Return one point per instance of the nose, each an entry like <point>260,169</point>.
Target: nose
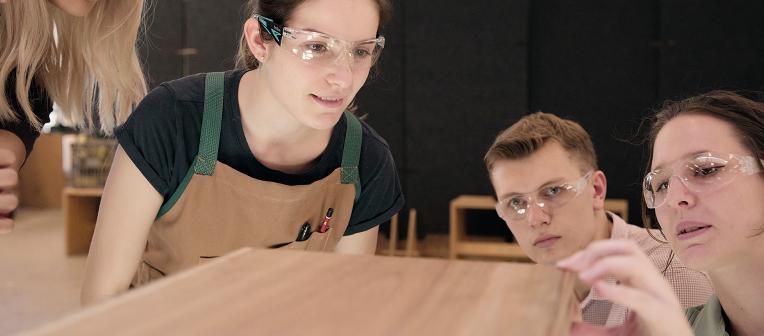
<point>537,214</point>
<point>341,71</point>
<point>678,195</point>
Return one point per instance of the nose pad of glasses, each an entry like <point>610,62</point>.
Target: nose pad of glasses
<point>344,58</point>
<point>681,179</point>
<point>673,187</point>
<point>535,214</point>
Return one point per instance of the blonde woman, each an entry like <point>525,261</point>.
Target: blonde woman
<point>91,65</point>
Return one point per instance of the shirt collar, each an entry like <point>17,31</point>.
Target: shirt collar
<point>710,319</point>
<point>620,229</point>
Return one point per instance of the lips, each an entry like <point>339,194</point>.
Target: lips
<point>690,229</point>
<point>545,240</point>
<point>328,101</point>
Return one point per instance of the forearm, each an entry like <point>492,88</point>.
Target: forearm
<point>128,207</point>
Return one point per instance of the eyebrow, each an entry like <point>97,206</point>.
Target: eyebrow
<point>686,156</point>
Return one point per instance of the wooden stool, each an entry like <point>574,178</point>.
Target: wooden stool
<point>411,249</point>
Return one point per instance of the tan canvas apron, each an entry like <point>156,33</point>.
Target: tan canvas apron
<point>217,209</point>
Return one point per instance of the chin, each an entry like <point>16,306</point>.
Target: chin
<point>697,257</point>
<point>546,258</point>
<point>325,121</point>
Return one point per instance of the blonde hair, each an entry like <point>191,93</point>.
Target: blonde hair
<point>92,67</point>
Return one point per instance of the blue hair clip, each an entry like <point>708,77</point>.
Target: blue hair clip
<point>271,27</point>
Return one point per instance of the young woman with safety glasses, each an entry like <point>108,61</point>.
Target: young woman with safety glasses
<point>706,186</point>
<point>265,155</point>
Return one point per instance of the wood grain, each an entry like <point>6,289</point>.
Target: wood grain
<point>277,292</point>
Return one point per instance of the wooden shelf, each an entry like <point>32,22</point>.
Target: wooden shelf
<point>80,214</point>
<point>461,245</point>
<point>83,192</point>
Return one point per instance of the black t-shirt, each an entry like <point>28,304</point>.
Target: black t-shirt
<point>162,138</point>
<point>41,105</point>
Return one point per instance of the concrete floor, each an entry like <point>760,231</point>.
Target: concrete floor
<point>38,282</point>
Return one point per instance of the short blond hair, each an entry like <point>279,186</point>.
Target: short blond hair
<point>533,131</point>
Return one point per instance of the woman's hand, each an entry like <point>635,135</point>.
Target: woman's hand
<point>12,156</point>
<point>654,308</point>
<point>9,179</point>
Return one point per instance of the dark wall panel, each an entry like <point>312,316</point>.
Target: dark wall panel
<point>466,78</point>
<point>214,29</point>
<point>163,38</point>
<point>711,44</point>
<point>595,62</point>
<point>381,100</point>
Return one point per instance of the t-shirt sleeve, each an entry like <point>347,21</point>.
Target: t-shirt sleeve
<point>381,195</point>
<point>148,137</point>
<point>41,105</point>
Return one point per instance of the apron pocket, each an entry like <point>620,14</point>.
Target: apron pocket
<point>206,259</point>
<point>316,242</point>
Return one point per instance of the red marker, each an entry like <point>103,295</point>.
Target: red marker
<point>325,224</point>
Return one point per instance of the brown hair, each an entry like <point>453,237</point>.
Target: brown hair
<point>744,115</point>
<point>531,132</point>
<point>279,11</point>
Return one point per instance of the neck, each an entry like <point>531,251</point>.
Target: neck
<point>603,230</point>
<point>740,289</point>
<point>604,226</point>
<point>275,137</point>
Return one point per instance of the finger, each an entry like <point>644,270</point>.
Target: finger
<point>8,203</point>
<point>7,158</point>
<point>9,178</point>
<point>634,271</point>
<point>6,225</point>
<point>599,249</point>
<point>630,269</point>
<point>648,307</point>
<point>649,315</point>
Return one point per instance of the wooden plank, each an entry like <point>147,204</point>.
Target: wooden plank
<point>474,202</point>
<point>278,292</point>
<point>490,249</point>
<point>85,192</point>
<point>80,215</point>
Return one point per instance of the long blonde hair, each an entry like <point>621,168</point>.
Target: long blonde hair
<point>92,67</point>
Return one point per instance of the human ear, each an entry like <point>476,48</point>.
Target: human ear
<point>257,46</point>
<point>600,189</point>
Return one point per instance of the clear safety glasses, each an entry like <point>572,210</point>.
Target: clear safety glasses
<point>548,197</point>
<point>324,50</point>
<point>703,172</point>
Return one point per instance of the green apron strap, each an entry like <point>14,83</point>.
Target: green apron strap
<point>351,153</point>
<point>209,140</point>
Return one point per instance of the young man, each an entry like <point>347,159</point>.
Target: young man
<point>551,195</point>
